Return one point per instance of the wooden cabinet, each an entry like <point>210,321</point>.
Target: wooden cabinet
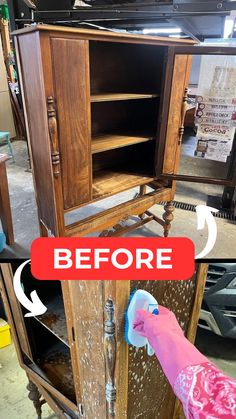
<point>105,114</point>
<point>76,354</point>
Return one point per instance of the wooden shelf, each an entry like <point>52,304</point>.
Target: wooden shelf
<point>108,97</point>
<point>54,319</point>
<point>56,365</point>
<point>109,142</point>
<point>107,182</point>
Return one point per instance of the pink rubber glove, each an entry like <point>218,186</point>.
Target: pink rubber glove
<point>166,337</point>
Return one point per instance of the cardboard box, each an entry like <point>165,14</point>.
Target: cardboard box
<point>5,336</point>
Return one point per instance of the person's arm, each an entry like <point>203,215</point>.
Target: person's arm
<point>204,391</point>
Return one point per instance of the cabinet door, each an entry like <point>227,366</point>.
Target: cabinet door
<point>170,163</point>
<point>135,383</point>
<point>149,393</point>
<point>86,306</point>
<point>44,343</point>
<point>71,83</point>
<point>13,310</point>
<point>33,81</point>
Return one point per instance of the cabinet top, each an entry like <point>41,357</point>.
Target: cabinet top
<point>95,34</point>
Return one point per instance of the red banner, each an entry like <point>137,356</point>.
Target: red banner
<point>112,258</point>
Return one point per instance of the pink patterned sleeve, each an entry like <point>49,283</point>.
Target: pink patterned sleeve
<point>205,392</point>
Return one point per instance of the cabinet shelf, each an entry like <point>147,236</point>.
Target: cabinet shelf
<point>56,365</point>
<point>110,142</point>
<point>109,97</point>
<point>109,182</point>
<point>54,319</point>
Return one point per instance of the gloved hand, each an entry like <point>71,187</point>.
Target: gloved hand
<point>166,337</point>
<point>148,324</point>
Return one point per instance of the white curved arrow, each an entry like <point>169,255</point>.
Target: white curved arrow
<point>35,307</point>
<point>204,215</point>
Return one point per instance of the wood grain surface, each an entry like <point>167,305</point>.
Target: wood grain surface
<point>5,206</point>
<point>110,142</point>
<point>56,364</point>
<point>125,68</point>
<point>71,339</point>
<point>106,182</point>
<point>35,110</point>
<point>110,97</point>
<point>105,35</point>
<point>112,216</point>
<point>71,78</point>
<point>146,378</point>
<point>119,292</point>
<point>54,319</point>
<point>86,298</point>
<point>15,309</point>
<point>50,93</point>
<point>179,81</point>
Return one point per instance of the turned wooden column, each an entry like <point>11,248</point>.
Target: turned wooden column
<point>168,217</point>
<point>110,357</point>
<point>34,396</point>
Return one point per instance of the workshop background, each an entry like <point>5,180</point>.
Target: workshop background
<point>209,22</point>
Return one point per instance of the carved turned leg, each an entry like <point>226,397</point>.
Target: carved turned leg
<point>34,396</point>
<point>168,217</point>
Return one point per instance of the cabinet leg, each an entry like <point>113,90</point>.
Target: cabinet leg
<point>142,191</point>
<point>34,396</point>
<point>168,217</point>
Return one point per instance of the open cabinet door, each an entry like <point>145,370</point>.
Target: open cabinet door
<point>169,165</point>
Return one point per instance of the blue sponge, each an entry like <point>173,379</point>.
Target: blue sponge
<point>139,299</point>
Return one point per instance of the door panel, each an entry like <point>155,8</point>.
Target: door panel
<point>86,300</point>
<point>14,309</point>
<point>180,80</point>
<point>71,78</point>
<point>181,160</point>
<point>145,376</point>
<point>30,67</point>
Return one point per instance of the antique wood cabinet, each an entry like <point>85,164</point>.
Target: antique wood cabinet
<point>75,354</point>
<point>105,114</point>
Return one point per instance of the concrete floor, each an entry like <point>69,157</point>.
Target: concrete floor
<point>25,214</point>
<point>221,351</point>
<point>14,403</point>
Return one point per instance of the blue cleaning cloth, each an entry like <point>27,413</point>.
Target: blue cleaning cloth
<point>2,242</point>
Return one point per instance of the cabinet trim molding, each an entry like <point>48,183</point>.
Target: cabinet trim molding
<point>110,355</point>
<point>183,113</point>
<point>53,133</point>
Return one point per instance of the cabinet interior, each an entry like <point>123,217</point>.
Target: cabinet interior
<point>47,334</point>
<point>125,89</point>
<point>52,356</point>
